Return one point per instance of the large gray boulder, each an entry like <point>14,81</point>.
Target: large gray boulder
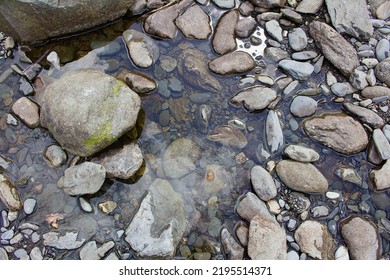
<point>37,20</point>
<point>88,110</point>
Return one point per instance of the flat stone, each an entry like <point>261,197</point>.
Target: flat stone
<point>303,177</point>
<point>232,249</point>
<point>365,115</point>
<point>351,17</point>
<point>29,205</point>
<point>304,55</point>
<point>361,237</point>
<point>297,39</point>
<point>292,15</point>
<point>194,23</point>
<point>375,91</point>
<point>342,89</point>
<point>334,47</point>
<point>228,135</point>
<point>223,40</point>
<point>86,178</point>
<point>314,239</point>
<point>224,4</point>
<point>382,71</point>
<point>254,98</point>
<point>90,251</point>
<point>140,83</point>
<point>274,132</point>
<point>66,240</point>
<point>268,4</point>
<point>301,153</point>
<point>381,143</point>
<point>309,6</point>
<point>275,54</point>
<point>381,177</point>
<point>245,27</point>
<point>27,111</point>
<point>250,205</point>
<point>263,183</point>
<point>274,30</point>
<point>107,207</point>
<point>382,49</point>
<point>232,63</point>
<point>55,155</point>
<point>337,131</point>
<point>9,195</point>
<point>303,106</point>
<point>298,70</point>
<point>267,240</point>
<point>121,162</point>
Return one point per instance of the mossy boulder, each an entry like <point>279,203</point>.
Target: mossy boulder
<point>87,110</point>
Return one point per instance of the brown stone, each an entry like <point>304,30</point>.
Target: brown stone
<point>27,111</point>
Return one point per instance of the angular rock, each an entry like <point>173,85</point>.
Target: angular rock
<point>268,4</point>
<point>194,23</point>
<point>263,183</point>
<point>159,223</point>
<point>224,41</point>
<point>382,71</point>
<point>303,106</point>
<point>302,177</point>
<point>275,54</point>
<point>87,110</point>
<point>381,143</point>
<point>254,98</point>
<point>140,83</point>
<point>250,206</point>
<point>349,175</point>
<point>228,135</point>
<point>181,158</point>
<point>90,251</point>
<point>274,30</point>
<point>365,115</point>
<point>9,195</point>
<point>334,47</point>
<point>337,131</point>
<point>361,237</point>
<point>55,155</point>
<point>351,17</point>
<point>27,111</point>
<point>309,6</point>
<point>68,241</point>
<point>121,162</point>
<point>375,91</point>
<point>314,239</point>
<point>232,63</point>
<point>358,79</point>
<point>232,249</point>
<point>297,39</point>
<point>301,153</point>
<point>274,132</point>
<point>381,177</point>
<point>85,178</point>
<point>298,70</point>
<point>382,49</point>
<point>267,240</point>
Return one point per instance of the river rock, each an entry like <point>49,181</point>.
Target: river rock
<point>224,41</point>
<point>88,110</point>
<point>267,240</point>
<point>382,71</point>
<point>143,51</point>
<point>27,111</point>
<point>361,237</point>
<point>162,22</point>
<point>358,79</point>
<point>302,177</point>
<point>342,89</point>
<point>382,49</point>
<point>140,83</point>
<point>29,205</point>
<point>268,4</point>
<point>375,91</point>
<point>55,155</point>
<point>298,70</point>
<point>334,47</point>
<point>314,239</point>
<point>297,39</point>
<point>254,98</point>
<point>159,223</point>
<point>275,54</point>
<point>351,17</point>
<point>194,23</point>
<point>380,8</point>
<point>85,178</point>
<point>309,6</point>
<point>381,143</point>
<point>365,115</point>
<point>232,63</point>
<point>122,162</point>
<point>274,132</point>
<point>90,251</point>
<point>228,135</point>
<point>263,183</point>
<point>250,205</point>
<point>349,175</point>
<point>337,131</point>
<point>381,177</point>
<point>9,195</point>
<point>192,66</point>
<point>245,27</point>
<point>232,249</point>
<point>3,254</point>
<point>301,153</point>
<point>274,30</point>
<point>181,158</point>
<point>62,240</point>
<point>303,106</point>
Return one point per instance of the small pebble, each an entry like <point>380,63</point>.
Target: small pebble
<point>35,237</point>
<point>29,205</point>
<point>7,235</point>
<point>85,205</point>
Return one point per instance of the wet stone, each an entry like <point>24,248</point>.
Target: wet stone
<point>246,8</point>
<point>263,183</point>
<point>298,70</point>
<point>292,15</point>
<point>320,211</point>
<point>232,63</point>
<point>7,235</point>
<point>25,87</point>
<point>254,98</point>
<point>365,115</point>
<point>274,133</point>
<point>194,23</point>
<point>36,254</point>
<point>341,253</point>
<point>232,249</point>
<point>245,27</point>
<point>274,30</point>
<point>303,106</point>
<point>297,202</point>
<point>275,54</point>
<point>342,89</point>
<point>65,240</point>
<point>140,83</point>
<point>358,79</point>
<point>91,251</point>
<point>55,155</point>
<point>301,153</point>
<point>107,207</point>
<point>3,254</point>
<point>9,195</point>
<point>250,205</point>
<point>224,41</point>
<point>29,205</point>
<point>349,175</point>
<point>381,143</point>
<point>304,55</point>
<point>375,91</point>
<point>381,177</point>
<point>27,111</point>
<point>21,254</point>
<point>11,120</point>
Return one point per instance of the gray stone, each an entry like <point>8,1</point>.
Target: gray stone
<point>382,71</point>
<point>349,175</point>
<point>3,254</point>
<point>275,54</point>
<point>371,79</point>
<point>292,15</point>
<point>274,132</point>
<point>63,240</point>
<point>314,239</point>
<point>303,106</point>
<point>341,253</point>
<point>274,30</point>
<point>342,89</point>
<point>29,205</point>
<point>370,62</point>
<point>297,39</point>
<point>303,177</point>
<point>224,4</point>
<point>386,131</point>
<point>375,91</point>
<point>382,49</point>
<point>159,224</point>
<point>320,211</point>
<point>246,8</point>
<point>7,235</point>
<point>27,111</point>
<point>358,79</point>
<point>383,11</point>
<point>268,3</point>
<point>21,254</point>
<point>232,63</point>
<point>223,40</point>
<point>334,47</point>
<point>122,162</point>
<point>36,254</point>
<point>365,115</point>
<point>55,155</point>
<point>85,205</point>
<point>381,143</point>
<point>245,27</point>
<point>267,16</point>
<point>298,70</point>
<point>267,240</point>
<point>309,6</point>
<point>232,249</point>
<point>87,110</point>
<point>361,237</point>
<point>337,131</point>
<point>381,177</point>
<point>250,205</point>
<point>90,251</point>
<point>254,98</point>
<point>86,178</point>
<point>304,55</point>
<point>194,23</point>
<point>301,153</point>
<point>263,183</point>
<point>351,17</point>
<point>9,195</point>
<point>140,83</point>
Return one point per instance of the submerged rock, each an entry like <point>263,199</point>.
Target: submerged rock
<point>232,249</point>
<point>303,106</point>
<point>268,4</point>
<point>9,195</point>
<point>381,177</point>
<point>59,240</point>
<point>228,135</point>
<point>254,98</point>
<point>90,251</point>
<point>55,155</point>
<point>140,83</point>
<point>88,110</point>
<point>232,63</point>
